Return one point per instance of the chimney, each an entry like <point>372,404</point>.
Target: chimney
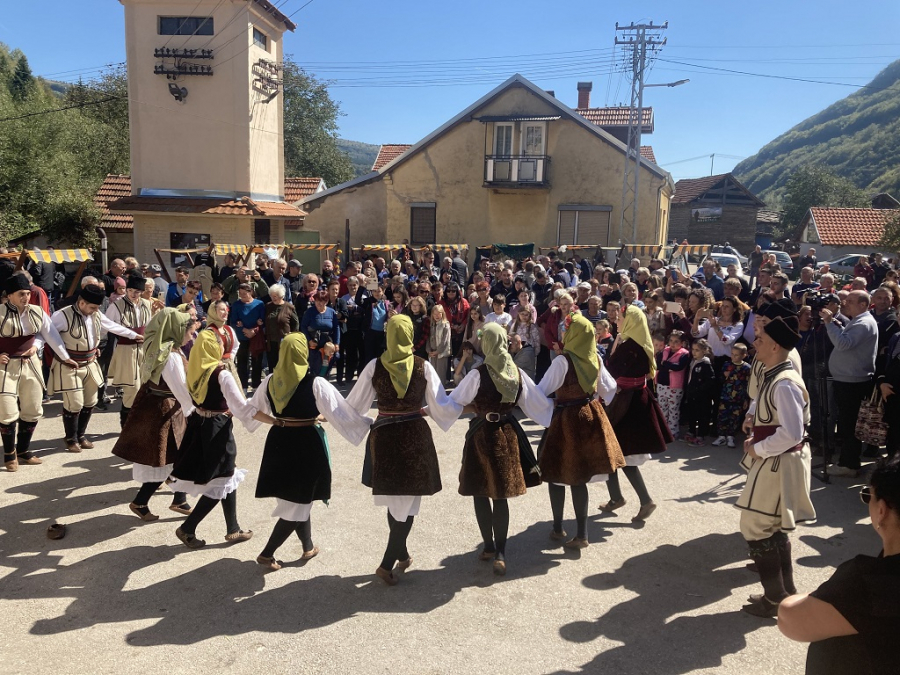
<point>584,94</point>
<point>551,93</point>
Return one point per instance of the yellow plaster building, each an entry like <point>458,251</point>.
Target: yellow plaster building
<point>515,166</point>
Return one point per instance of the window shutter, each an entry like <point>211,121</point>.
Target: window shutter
<point>424,225</point>
<point>593,228</point>
<point>566,228</point>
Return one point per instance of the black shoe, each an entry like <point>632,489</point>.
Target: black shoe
<point>102,404</point>
<point>763,609</point>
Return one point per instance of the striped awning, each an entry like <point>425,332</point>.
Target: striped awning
<point>692,249</point>
<point>223,249</point>
<point>651,250</point>
<point>400,247</point>
<point>60,255</point>
<point>311,247</point>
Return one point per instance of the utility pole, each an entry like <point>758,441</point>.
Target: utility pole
<point>639,40</point>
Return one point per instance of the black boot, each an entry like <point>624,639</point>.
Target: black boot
<point>8,434</point>
<point>70,427</point>
<point>123,416</point>
<point>26,431</point>
<point>784,552</point>
<point>767,557</point>
<point>84,417</point>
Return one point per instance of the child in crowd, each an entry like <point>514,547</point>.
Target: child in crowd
<point>734,399</point>
<point>613,308</point>
<point>699,391</point>
<point>673,365</point>
<point>499,314</point>
<point>320,359</point>
<point>439,342</point>
<point>604,339</point>
<point>524,340</point>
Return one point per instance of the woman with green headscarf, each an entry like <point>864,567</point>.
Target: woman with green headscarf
<point>401,464</point>
<point>154,429</point>
<point>635,414</point>
<point>206,466</point>
<point>498,463</point>
<point>296,464</point>
<point>579,446</point>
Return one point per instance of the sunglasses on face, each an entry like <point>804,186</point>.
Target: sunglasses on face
<point>865,494</point>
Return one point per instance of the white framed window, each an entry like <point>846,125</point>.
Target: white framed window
<point>533,138</point>
<point>503,139</point>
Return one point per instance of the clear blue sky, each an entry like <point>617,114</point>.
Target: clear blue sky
<point>470,47</point>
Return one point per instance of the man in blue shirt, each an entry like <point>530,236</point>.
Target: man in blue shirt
<point>713,281</point>
<point>176,288</point>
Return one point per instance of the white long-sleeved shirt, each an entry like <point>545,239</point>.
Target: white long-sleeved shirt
<point>238,405</point>
<point>59,322</point>
<point>332,406</point>
<point>440,408</point>
<point>48,333</point>
<point>789,403</point>
<point>176,379</point>
<point>556,374</point>
<point>721,346</point>
<point>113,313</point>
<point>532,400</point>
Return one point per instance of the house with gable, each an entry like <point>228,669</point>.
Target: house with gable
<point>515,166</point>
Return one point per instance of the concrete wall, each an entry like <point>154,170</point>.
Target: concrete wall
<point>584,169</point>
<point>153,231</point>
<point>205,143</point>
<point>737,226</point>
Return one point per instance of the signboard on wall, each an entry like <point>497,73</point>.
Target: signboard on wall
<point>707,214</point>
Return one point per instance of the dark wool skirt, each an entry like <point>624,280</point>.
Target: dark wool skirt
<point>492,462</point>
<point>401,459</point>
<point>153,431</point>
<point>639,422</point>
<point>208,450</point>
<point>295,466</point>
<point>578,445</point>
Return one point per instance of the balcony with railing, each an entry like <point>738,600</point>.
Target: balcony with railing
<point>516,171</point>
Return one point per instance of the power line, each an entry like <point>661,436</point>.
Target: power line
<point>309,2</point>
<point>83,104</point>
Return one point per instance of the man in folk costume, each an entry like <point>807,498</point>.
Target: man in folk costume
<point>24,328</point>
<point>776,496</point>
<point>79,325</point>
<point>134,312</point>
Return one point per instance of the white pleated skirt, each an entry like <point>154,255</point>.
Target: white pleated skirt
<point>637,460</point>
<point>291,511</point>
<point>150,474</point>
<point>400,506</point>
<point>217,488</point>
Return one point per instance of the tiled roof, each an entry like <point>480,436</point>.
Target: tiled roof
<point>296,189</point>
<point>615,117</point>
<point>389,152</point>
<point>647,153</point>
<point>114,186</point>
<point>689,189</point>
<point>850,227</point>
<point>209,207</point>
<point>768,216</point>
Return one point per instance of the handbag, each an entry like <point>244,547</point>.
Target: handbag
<point>870,425</point>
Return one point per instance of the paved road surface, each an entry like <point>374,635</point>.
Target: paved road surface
<point>121,596</point>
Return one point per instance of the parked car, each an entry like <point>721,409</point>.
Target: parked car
<point>726,259</point>
<point>844,264</point>
<point>744,262</point>
<point>783,259</point>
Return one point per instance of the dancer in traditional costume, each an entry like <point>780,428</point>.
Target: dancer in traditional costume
<point>155,426</point>
<point>776,496</point>
<point>296,463</point>
<point>206,464</point>
<point>498,463</point>
<point>401,464</point>
<point>134,312</point>
<point>217,318</point>
<point>24,329</point>
<point>579,446</point>
<point>79,325</point>
<point>635,414</point>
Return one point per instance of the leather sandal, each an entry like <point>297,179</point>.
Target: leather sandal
<point>269,563</point>
<point>612,506</point>
<point>189,540</point>
<point>238,536</point>
<point>310,554</point>
<point>56,531</point>
<point>143,512</point>
<point>486,555</point>
<point>386,576</point>
<point>500,568</point>
<point>85,443</point>
<point>11,464</point>
<point>644,513</point>
<point>72,446</point>
<point>558,536</point>
<point>30,461</point>
<point>184,508</point>
<point>576,543</point>
<point>403,565</point>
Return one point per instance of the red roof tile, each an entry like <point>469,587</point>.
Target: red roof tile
<point>616,117</point>
<point>647,153</point>
<point>689,189</point>
<point>850,227</point>
<point>389,152</point>
<point>244,206</point>
<point>114,186</point>
<point>296,189</point>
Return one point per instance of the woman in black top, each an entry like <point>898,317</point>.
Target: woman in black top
<point>853,619</point>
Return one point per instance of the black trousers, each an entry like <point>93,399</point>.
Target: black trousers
<point>351,361</point>
<point>849,396</point>
<point>374,345</point>
<point>245,362</point>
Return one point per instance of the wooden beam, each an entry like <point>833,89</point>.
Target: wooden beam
<point>165,271</point>
<point>76,282</point>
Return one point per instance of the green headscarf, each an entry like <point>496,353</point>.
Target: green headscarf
<point>212,317</point>
<point>398,358</point>
<point>500,365</point>
<point>634,327</point>
<point>206,356</point>
<point>581,345</point>
<point>293,365</point>
<point>164,334</point>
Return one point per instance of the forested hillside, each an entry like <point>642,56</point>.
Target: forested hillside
<point>361,154</point>
<point>858,138</point>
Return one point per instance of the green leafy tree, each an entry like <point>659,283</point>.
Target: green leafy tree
<point>817,185</point>
<point>22,83</point>
<point>310,128</point>
<point>890,240</point>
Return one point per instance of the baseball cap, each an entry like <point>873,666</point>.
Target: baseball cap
<point>294,263</point>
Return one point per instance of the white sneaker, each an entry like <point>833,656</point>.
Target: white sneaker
<point>720,441</point>
<point>730,441</point>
